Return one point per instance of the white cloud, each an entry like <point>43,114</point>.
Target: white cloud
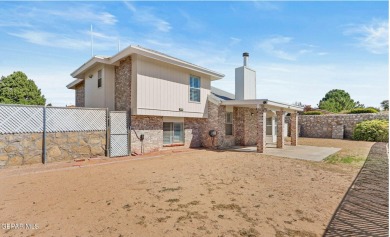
<point>234,41</point>
<point>145,16</point>
<point>65,41</point>
<point>372,36</point>
<point>273,47</point>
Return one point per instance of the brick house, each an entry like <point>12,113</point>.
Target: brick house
<point>172,102</point>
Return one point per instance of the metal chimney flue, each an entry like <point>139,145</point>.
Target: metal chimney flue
<point>246,58</point>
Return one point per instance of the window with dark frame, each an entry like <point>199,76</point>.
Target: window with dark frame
<point>229,123</point>
<point>99,78</point>
<point>194,89</point>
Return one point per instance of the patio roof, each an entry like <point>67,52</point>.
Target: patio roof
<point>268,104</point>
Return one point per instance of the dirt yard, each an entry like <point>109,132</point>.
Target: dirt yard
<point>181,193</point>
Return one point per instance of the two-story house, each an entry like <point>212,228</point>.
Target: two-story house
<point>172,103</point>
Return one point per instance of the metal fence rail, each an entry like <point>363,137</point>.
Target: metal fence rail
<point>30,119</point>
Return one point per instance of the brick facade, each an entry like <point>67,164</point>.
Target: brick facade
<point>80,94</point>
<point>216,121</point>
<point>244,125</point>
<point>280,123</point>
<point>123,85</point>
<point>193,130</point>
<point>152,128</point>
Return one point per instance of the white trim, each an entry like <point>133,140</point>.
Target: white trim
<point>74,83</point>
<point>78,73</point>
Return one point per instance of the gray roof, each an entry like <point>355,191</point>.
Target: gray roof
<point>221,94</point>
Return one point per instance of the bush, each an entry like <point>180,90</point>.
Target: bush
<point>363,111</point>
<point>372,130</point>
<point>312,113</point>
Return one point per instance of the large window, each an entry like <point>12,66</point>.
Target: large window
<point>229,123</point>
<point>99,78</point>
<point>194,89</point>
<point>173,133</point>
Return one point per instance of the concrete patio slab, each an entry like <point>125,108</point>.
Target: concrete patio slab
<point>313,153</point>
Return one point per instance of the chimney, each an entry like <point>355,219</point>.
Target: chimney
<point>246,57</point>
<point>245,81</point>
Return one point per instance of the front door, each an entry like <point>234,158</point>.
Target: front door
<point>173,133</point>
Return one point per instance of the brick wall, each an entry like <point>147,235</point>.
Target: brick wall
<point>216,121</point>
<point>152,128</point>
<point>80,94</point>
<point>245,126</point>
<point>328,126</point>
<point>21,149</point>
<point>123,85</point>
<point>193,129</point>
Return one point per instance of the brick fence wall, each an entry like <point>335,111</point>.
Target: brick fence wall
<point>333,126</point>
<point>21,149</point>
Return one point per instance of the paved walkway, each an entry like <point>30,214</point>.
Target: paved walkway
<point>313,153</point>
<point>364,211</point>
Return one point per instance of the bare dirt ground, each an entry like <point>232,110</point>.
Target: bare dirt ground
<point>181,193</point>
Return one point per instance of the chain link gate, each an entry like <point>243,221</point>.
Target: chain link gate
<point>118,134</point>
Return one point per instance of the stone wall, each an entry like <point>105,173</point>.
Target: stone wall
<point>333,126</point>
<point>123,85</point>
<point>21,149</point>
<point>152,128</point>
<point>80,94</point>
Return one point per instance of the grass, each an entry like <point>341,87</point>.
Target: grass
<point>344,159</point>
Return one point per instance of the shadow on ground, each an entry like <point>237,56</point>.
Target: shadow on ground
<point>364,211</point>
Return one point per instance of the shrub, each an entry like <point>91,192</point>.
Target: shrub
<point>312,113</point>
<point>363,111</point>
<point>372,130</point>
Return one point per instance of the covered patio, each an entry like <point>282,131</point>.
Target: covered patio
<point>270,121</point>
<point>312,153</point>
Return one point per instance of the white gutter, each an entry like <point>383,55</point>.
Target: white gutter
<point>264,102</point>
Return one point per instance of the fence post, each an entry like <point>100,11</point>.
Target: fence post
<point>107,133</point>
<point>44,136</point>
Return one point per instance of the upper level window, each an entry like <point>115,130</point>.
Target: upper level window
<point>99,78</point>
<point>194,89</point>
<point>229,123</point>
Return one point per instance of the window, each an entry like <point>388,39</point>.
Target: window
<point>269,127</point>
<point>194,89</point>
<point>173,133</point>
<point>229,123</point>
<point>99,78</point>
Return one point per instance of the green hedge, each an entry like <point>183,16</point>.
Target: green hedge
<point>312,113</point>
<point>363,111</point>
<point>372,130</point>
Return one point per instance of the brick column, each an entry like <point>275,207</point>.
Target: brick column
<point>280,124</point>
<point>261,125</point>
<point>294,128</point>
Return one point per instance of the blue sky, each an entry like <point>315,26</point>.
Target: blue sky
<point>300,50</point>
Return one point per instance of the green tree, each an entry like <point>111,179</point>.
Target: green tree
<point>338,100</point>
<point>18,89</point>
<point>385,105</point>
